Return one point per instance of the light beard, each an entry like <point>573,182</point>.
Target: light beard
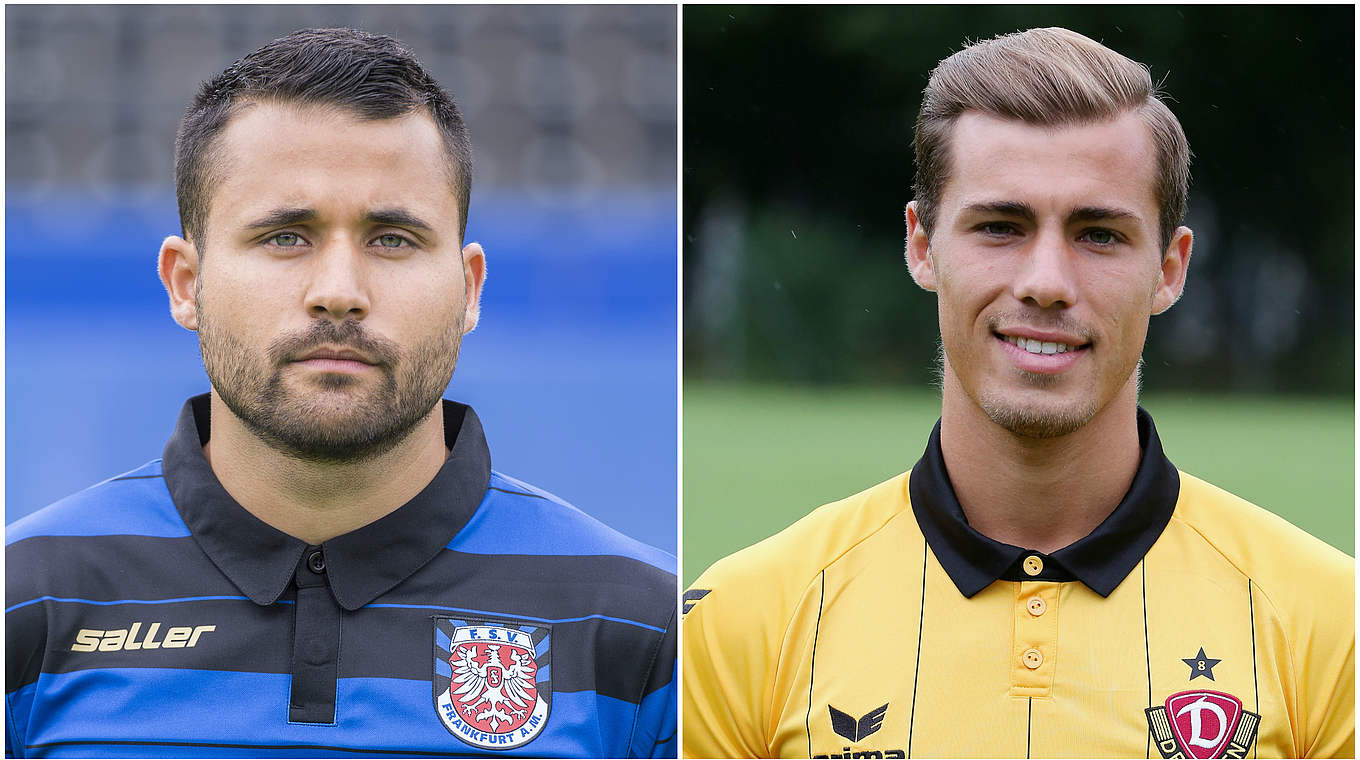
<point>1033,423</point>
<point>1028,422</point>
<point>322,424</point>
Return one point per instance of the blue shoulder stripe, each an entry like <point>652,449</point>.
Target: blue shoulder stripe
<point>136,503</point>
<point>517,518</point>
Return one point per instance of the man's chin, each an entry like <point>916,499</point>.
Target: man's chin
<point>336,427</point>
<point>332,442</point>
<point>1038,420</point>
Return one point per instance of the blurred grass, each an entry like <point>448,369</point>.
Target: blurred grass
<point>756,458</point>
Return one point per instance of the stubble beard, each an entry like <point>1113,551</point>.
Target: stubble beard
<point>318,422</point>
<point>1029,422</point>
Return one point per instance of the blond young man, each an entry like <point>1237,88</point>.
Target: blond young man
<point>1044,581</point>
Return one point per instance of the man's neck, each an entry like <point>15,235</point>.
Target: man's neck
<point>317,502</point>
<point>1039,494</point>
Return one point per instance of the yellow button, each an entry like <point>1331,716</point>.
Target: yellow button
<point>1033,565</point>
<point>1036,606</point>
<point>1032,658</point>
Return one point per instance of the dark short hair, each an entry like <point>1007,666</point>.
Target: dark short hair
<point>1047,77</point>
<point>369,75</point>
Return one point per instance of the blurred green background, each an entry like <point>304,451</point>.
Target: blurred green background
<point>809,355</point>
<point>758,457</point>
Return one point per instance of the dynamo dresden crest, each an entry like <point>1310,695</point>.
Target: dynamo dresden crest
<point>491,681</point>
<point>1202,724</point>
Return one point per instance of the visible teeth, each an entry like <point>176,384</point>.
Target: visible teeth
<point>1039,347</point>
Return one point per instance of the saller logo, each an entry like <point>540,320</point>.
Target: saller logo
<point>1202,724</point>
<point>125,639</point>
<point>491,685</point>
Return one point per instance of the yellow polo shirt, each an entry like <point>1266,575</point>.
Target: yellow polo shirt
<point>1190,623</point>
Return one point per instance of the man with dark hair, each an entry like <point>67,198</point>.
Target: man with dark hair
<point>324,561</point>
<point>1043,582</point>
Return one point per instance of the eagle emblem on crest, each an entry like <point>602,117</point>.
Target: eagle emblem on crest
<point>491,685</point>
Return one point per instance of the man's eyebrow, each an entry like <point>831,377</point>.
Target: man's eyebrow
<point>282,217</point>
<point>397,217</point>
<point>1100,214</point>
<point>1003,208</point>
<point>1026,212</point>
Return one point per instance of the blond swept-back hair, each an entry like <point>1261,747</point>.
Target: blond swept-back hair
<point>1047,77</point>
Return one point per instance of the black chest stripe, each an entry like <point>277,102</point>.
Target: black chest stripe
<point>1029,724</point>
<point>1255,688</point>
<point>1147,648</point>
<point>920,626</point>
<point>807,719</point>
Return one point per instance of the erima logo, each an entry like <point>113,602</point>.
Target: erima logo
<point>855,730</point>
<point>125,639</point>
<point>847,726</point>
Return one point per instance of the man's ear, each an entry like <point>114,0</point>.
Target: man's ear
<point>178,266</point>
<point>474,275</point>
<point>919,262</point>
<point>1171,276</point>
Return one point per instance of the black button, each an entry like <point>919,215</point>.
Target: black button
<point>316,562</point>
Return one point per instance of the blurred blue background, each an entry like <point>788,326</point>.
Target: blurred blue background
<point>572,114</point>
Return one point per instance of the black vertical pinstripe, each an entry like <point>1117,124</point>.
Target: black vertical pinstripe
<point>920,626</point>
<point>812,673</point>
<point>1255,688</point>
<point>1147,650</point>
<point>1029,723</point>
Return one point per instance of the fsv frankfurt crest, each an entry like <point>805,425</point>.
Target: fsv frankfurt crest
<point>491,684</point>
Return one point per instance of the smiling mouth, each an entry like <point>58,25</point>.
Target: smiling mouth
<point>1033,346</point>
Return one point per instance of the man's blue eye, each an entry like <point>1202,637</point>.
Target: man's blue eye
<point>285,239</point>
<point>391,241</point>
<point>1101,237</point>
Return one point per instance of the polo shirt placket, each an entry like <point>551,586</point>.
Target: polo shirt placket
<point>316,643</point>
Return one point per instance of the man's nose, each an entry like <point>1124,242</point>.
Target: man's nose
<point>1047,276</point>
<point>339,287</point>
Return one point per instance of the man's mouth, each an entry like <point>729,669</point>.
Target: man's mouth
<point>1039,346</point>
<point>336,355</point>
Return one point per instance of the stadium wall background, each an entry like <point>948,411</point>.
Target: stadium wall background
<point>572,113</point>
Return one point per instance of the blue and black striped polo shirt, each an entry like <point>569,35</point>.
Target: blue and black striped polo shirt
<point>152,615</point>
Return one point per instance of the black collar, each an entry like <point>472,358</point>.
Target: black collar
<point>361,564</point>
<point>1101,560</point>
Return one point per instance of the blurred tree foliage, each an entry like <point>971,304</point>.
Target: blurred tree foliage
<point>797,165</point>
